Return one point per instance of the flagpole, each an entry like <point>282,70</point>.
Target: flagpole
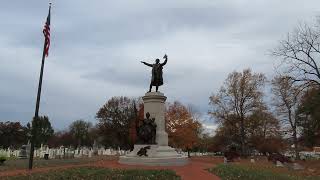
<point>36,114</point>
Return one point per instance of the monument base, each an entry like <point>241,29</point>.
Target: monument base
<point>159,154</point>
<point>156,156</point>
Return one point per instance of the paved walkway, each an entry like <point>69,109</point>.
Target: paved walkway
<point>196,169</point>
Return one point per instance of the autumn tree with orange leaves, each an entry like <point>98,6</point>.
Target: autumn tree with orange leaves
<point>182,128</point>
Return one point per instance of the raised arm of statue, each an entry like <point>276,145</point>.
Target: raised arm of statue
<point>146,63</point>
<point>165,61</point>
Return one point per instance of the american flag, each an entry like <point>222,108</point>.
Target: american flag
<point>46,33</point>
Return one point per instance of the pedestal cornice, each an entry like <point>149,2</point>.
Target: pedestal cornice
<point>154,96</point>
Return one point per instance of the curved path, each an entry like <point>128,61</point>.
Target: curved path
<point>196,169</point>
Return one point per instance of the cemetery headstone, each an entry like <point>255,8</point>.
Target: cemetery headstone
<point>279,164</point>
<point>297,166</point>
<point>23,152</point>
<point>231,154</point>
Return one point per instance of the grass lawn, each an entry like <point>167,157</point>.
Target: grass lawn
<point>13,164</point>
<point>84,173</point>
<point>241,172</point>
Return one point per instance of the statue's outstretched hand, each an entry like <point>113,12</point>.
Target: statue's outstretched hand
<point>165,56</point>
<point>141,61</point>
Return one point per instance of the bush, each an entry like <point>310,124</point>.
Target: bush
<point>278,157</point>
<point>2,160</point>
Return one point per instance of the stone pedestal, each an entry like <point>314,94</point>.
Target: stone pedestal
<point>159,154</point>
<point>154,103</point>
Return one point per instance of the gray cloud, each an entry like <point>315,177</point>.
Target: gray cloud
<point>97,47</point>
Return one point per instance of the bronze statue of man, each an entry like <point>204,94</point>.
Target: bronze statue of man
<point>156,78</point>
<point>147,130</point>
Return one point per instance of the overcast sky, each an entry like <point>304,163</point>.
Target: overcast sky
<point>97,46</point>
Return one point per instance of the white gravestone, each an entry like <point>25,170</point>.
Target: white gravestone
<point>279,164</point>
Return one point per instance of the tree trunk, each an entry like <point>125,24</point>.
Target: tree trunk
<point>294,129</point>
<point>295,142</point>
<point>189,156</point>
<point>242,134</point>
<point>79,143</point>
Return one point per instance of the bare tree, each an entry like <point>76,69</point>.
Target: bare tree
<point>263,124</point>
<point>286,98</point>
<point>240,95</point>
<point>300,53</point>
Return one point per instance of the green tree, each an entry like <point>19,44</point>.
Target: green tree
<point>41,130</point>
<point>205,141</point>
<point>80,131</point>
<point>309,117</point>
